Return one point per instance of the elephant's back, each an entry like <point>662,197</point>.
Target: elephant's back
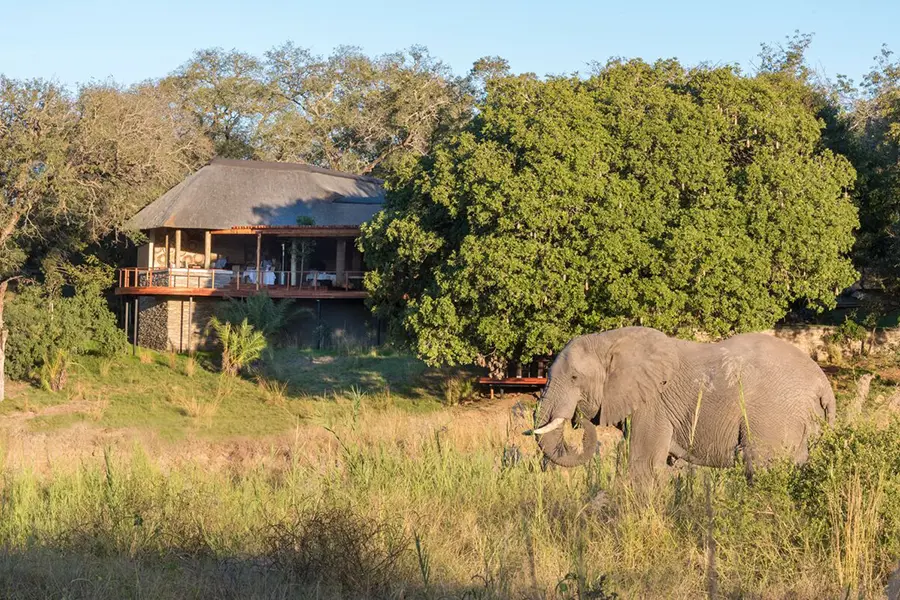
<point>772,384</point>
<point>767,356</point>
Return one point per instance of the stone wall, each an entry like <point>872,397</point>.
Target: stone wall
<point>187,323</point>
<point>812,340</point>
<point>153,320</point>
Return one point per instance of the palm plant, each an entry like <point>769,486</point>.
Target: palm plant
<point>241,344</point>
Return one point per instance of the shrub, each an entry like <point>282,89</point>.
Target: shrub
<point>456,389</point>
<point>54,372</point>
<point>336,549</point>
<point>67,313</point>
<point>241,344</point>
<point>850,490</point>
<point>851,330</point>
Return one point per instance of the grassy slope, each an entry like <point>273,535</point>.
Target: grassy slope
<point>159,396</point>
<point>402,498</point>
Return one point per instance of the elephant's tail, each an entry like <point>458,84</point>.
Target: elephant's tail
<point>827,401</point>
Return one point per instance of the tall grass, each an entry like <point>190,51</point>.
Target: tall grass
<point>393,505</point>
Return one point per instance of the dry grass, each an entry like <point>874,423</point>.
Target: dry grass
<point>396,505</point>
<point>855,519</point>
<point>190,366</point>
<point>97,408</point>
<point>200,410</point>
<point>104,366</point>
<point>145,356</point>
<point>172,359</point>
<point>366,498</point>
<point>272,391</point>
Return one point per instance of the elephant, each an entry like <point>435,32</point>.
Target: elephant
<point>694,401</point>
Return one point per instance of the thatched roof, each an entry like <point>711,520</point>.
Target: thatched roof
<point>229,193</point>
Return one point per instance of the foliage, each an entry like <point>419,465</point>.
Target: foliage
<point>864,458</point>
<point>680,199</point>
<point>263,313</point>
<point>348,111</point>
<point>67,315</point>
<point>99,158</point>
<point>870,129</point>
<point>458,388</point>
<point>73,168</point>
<point>851,330</point>
<point>241,344</point>
<point>54,371</point>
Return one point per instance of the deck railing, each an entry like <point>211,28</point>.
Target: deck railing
<point>238,279</point>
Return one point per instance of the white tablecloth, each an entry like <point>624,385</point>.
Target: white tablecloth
<point>268,276</point>
<point>321,276</point>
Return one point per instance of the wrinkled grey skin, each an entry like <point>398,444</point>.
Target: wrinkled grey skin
<point>656,380</point>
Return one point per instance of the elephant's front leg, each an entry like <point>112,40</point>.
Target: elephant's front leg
<point>650,440</point>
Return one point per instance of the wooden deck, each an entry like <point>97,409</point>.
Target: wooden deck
<point>520,383</point>
<point>218,283</point>
<point>244,292</point>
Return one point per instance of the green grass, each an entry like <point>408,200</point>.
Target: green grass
<point>151,396</point>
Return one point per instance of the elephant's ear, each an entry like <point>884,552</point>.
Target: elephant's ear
<point>642,361</point>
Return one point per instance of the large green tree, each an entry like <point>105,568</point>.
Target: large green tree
<point>691,200</point>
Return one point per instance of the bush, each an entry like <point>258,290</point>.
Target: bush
<point>241,344</point>
<point>67,313</point>
<point>850,491</point>
<point>338,550</point>
<point>54,373</point>
<point>457,388</point>
<point>851,330</point>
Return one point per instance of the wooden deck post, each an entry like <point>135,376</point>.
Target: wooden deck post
<point>341,262</point>
<point>294,262</point>
<point>207,249</point>
<point>134,343</point>
<point>167,250</point>
<point>258,258</point>
<point>190,324</point>
<point>177,248</point>
<point>181,330</point>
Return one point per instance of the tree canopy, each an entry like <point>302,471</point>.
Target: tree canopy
<point>870,131</point>
<point>683,199</point>
<point>347,111</point>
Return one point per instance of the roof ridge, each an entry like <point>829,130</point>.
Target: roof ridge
<point>287,166</point>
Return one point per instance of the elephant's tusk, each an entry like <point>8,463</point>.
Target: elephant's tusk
<point>554,424</point>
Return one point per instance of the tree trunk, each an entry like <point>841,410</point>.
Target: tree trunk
<point>4,334</point>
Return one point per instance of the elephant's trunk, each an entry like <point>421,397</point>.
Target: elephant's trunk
<point>555,404</point>
<point>554,446</point>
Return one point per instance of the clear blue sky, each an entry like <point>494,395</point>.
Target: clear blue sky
<point>79,41</point>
